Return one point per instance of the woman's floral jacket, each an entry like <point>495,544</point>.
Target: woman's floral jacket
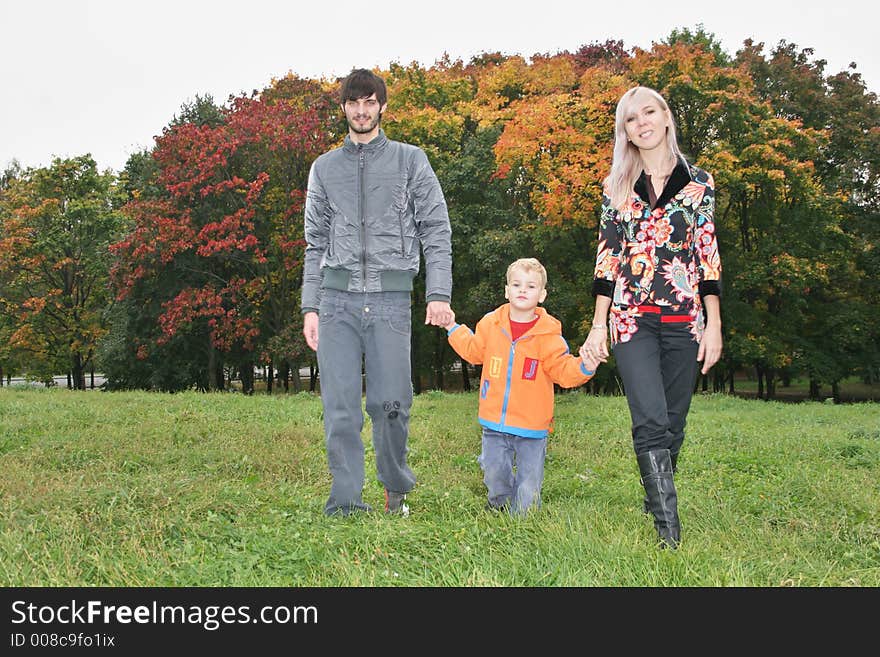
<point>659,259</point>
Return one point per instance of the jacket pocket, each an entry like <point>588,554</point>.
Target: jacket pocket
<point>331,242</point>
<point>400,205</point>
<point>400,219</point>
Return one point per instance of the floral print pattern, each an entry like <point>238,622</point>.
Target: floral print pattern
<point>666,256</point>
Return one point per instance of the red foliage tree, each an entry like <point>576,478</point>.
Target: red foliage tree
<point>226,229</point>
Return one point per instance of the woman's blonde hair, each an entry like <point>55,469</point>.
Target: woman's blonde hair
<point>626,163</point>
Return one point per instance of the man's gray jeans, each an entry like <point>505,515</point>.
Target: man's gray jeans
<point>375,327</point>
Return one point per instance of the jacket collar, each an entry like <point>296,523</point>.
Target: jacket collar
<point>543,325</point>
<point>374,146</point>
<point>680,177</point>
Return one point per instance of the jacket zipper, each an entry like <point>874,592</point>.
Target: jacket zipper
<point>362,213</point>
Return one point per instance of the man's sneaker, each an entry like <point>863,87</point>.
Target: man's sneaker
<point>394,503</point>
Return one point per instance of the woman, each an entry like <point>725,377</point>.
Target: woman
<point>659,273</point>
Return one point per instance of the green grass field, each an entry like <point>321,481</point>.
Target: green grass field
<point>147,489</point>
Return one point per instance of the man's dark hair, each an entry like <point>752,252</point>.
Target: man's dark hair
<point>362,83</point>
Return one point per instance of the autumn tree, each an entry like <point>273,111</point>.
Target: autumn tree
<point>216,255</point>
<point>840,336</point>
<point>424,109</point>
<point>210,269</point>
<point>57,224</point>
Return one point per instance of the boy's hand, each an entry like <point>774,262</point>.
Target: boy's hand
<point>451,322</point>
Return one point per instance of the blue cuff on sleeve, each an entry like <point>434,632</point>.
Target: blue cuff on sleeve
<point>586,371</point>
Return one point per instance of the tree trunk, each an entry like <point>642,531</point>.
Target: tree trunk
<point>771,383</point>
<point>814,389</point>
<point>291,374</point>
<point>835,391</point>
<point>313,377</point>
<point>247,377</point>
<point>730,384</point>
<point>760,381</point>
<point>284,374</point>
<point>212,368</point>
<point>270,377</point>
<point>78,372</point>
<point>465,376</point>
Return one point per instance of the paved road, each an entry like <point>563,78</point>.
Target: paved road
<point>60,381</point>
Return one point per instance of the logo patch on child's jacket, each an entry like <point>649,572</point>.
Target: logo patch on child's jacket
<point>495,367</point>
<point>530,369</point>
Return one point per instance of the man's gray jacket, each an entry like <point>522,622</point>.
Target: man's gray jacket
<point>369,208</point>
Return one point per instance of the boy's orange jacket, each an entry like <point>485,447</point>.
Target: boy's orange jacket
<point>516,388</point>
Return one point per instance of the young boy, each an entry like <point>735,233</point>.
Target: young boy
<point>523,354</point>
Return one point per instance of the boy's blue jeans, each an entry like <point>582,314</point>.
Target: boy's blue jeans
<point>513,470</point>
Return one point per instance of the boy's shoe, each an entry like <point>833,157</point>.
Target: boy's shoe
<point>394,503</point>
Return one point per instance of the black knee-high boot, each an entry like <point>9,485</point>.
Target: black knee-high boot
<point>646,507</point>
<point>656,470</point>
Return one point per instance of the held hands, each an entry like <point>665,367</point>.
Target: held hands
<point>451,322</point>
<point>595,348</point>
<point>590,362</point>
<point>439,314</point>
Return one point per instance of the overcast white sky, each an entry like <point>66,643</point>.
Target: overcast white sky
<point>104,76</point>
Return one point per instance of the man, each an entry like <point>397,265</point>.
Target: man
<point>371,206</point>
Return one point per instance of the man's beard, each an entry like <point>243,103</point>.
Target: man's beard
<point>367,128</point>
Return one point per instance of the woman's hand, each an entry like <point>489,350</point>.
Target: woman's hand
<point>595,347</point>
<point>710,344</point>
<point>710,347</point>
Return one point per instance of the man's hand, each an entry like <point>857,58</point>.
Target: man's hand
<point>439,314</point>
<point>310,330</point>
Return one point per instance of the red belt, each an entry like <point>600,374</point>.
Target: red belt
<point>665,319</point>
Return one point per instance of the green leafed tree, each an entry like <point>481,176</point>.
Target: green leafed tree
<point>57,224</point>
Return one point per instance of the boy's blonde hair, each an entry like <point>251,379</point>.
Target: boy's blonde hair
<point>528,265</point>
